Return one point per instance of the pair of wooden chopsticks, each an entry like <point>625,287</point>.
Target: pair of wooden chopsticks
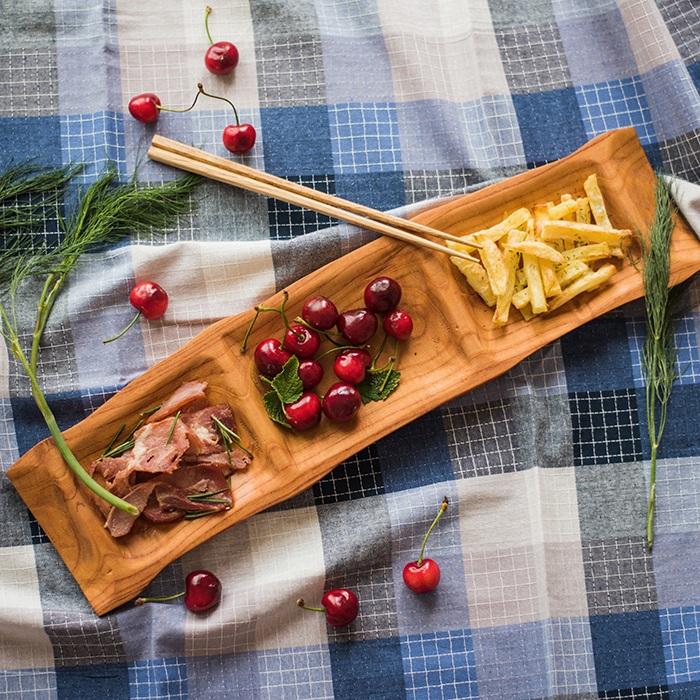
<point>194,160</point>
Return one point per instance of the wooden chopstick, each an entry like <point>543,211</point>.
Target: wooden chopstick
<point>196,161</point>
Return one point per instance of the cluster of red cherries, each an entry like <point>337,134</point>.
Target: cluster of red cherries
<point>220,59</point>
<point>340,605</point>
<point>355,328</point>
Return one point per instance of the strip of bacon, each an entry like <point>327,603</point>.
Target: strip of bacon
<point>182,398</point>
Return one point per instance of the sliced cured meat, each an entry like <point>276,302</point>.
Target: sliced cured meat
<point>120,523</point>
<point>184,396</point>
<point>109,467</point>
<point>204,435</point>
<point>170,497</point>
<point>226,462</point>
<point>157,514</point>
<point>197,479</point>
<point>156,449</point>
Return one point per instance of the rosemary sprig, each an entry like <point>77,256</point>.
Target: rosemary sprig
<point>119,449</point>
<point>206,494</point>
<point>228,437</point>
<point>104,214</point>
<point>115,437</point>
<point>201,514</point>
<point>659,352</point>
<point>172,428</point>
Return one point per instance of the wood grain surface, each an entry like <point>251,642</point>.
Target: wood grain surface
<point>454,348</point>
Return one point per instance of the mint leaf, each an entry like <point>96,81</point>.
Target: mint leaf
<point>275,409</point>
<point>371,389</point>
<point>287,384</point>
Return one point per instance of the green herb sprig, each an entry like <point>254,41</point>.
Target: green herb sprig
<point>659,352</point>
<point>105,214</point>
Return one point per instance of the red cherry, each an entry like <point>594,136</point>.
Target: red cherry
<point>310,372</point>
<point>341,402</point>
<point>305,413</point>
<point>145,107</point>
<point>423,575</point>
<point>350,366</point>
<point>398,324</point>
<point>423,578</point>
<point>382,294</point>
<point>202,591</point>
<point>270,357</point>
<point>340,605</point>
<point>221,58</point>
<point>239,138</point>
<point>357,326</point>
<point>150,299</point>
<point>301,341</point>
<point>320,312</point>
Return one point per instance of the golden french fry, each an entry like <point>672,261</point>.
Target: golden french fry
<point>538,250</point>
<point>515,220</point>
<point>562,210</point>
<point>521,298</point>
<point>583,211</point>
<point>566,274</point>
<point>511,259</point>
<point>586,283</point>
<point>495,266</point>
<point>588,233</point>
<point>550,283</point>
<point>534,284</point>
<point>520,280</point>
<point>476,278</point>
<point>526,311</point>
<point>596,202</point>
<point>592,251</point>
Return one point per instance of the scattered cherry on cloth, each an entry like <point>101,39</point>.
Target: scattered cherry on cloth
<point>423,575</point>
<point>340,605</point>
<point>150,300</point>
<point>146,107</point>
<point>238,138</point>
<point>202,592</point>
<point>221,56</point>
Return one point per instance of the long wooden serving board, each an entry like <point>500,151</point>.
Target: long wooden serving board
<point>454,348</point>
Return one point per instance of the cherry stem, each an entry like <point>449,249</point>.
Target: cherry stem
<point>337,349</point>
<point>303,605</point>
<point>207,12</point>
<point>379,352</point>
<point>280,310</point>
<point>328,335</point>
<point>186,109</point>
<point>244,344</point>
<point>218,97</point>
<point>161,599</point>
<point>122,332</point>
<point>443,508</point>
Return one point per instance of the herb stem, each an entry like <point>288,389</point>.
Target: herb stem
<point>52,425</point>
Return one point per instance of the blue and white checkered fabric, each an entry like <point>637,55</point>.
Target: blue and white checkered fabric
<point>547,589</point>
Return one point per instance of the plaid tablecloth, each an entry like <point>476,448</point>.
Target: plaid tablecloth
<point>547,588</point>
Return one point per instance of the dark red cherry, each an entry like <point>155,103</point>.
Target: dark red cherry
<point>319,312</point>
<point>340,605</point>
<point>270,357</point>
<point>202,591</point>
<point>398,324</point>
<point>382,294</point>
<point>305,413</point>
<point>150,299</point>
<point>310,373</point>
<point>357,326</point>
<point>145,107</point>
<point>351,365</point>
<point>301,341</point>
<point>239,138</point>
<point>221,58</point>
<point>341,402</point>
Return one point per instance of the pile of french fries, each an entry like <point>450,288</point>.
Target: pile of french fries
<point>539,260</point>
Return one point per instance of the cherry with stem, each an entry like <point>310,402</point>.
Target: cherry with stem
<point>221,56</point>
<point>277,309</point>
<point>340,605</point>
<point>423,575</point>
<point>238,138</point>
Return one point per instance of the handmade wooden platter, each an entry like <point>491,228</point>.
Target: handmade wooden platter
<point>453,349</point>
